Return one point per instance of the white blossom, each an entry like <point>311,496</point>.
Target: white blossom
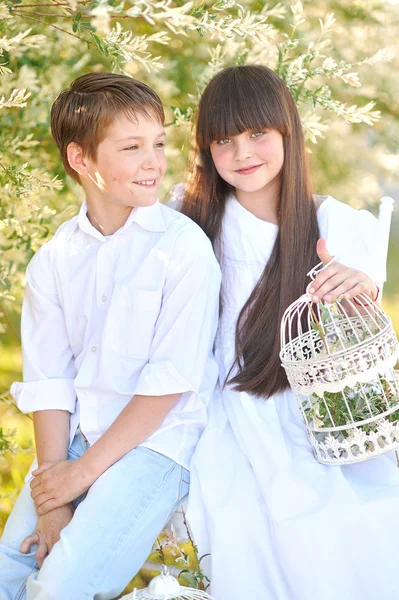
<point>17,99</point>
<point>297,12</point>
<point>329,64</point>
<point>102,17</point>
<point>327,24</point>
<point>351,79</point>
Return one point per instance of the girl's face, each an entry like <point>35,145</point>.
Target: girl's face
<point>250,161</point>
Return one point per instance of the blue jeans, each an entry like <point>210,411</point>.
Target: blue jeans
<point>109,537</point>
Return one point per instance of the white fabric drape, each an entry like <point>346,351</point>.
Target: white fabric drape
<point>279,525</point>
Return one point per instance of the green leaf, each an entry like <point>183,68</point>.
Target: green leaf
<point>87,25</point>
<point>98,42</point>
<point>188,579</point>
<point>203,556</point>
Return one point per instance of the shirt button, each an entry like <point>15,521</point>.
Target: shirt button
<point>104,298</point>
<point>93,349</point>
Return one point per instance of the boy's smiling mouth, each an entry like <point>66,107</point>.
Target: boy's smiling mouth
<point>146,182</point>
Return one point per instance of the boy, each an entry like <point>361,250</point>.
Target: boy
<point>118,323</point>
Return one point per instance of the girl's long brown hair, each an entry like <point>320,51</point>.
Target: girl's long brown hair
<point>254,98</point>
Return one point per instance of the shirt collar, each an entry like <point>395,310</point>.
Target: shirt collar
<point>147,217</point>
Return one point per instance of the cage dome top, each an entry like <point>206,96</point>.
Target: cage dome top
<point>166,587</point>
<point>328,346</point>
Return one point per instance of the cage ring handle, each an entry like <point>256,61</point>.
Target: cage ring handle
<point>316,270</point>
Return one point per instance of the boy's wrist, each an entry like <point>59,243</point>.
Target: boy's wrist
<point>90,467</point>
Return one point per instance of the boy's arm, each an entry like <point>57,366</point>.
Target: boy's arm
<point>51,435</point>
<point>48,388</point>
<point>56,484</point>
<point>182,343</point>
<point>48,366</point>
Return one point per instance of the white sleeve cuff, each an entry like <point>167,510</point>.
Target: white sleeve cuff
<point>45,394</point>
<point>161,379</point>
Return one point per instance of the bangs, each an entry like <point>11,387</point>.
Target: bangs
<point>236,102</point>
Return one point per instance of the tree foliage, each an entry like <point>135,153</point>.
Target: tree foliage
<point>337,57</point>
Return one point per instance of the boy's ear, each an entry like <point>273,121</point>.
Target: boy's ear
<point>76,159</point>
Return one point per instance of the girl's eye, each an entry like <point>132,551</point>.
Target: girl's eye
<point>224,141</point>
<point>131,148</point>
<point>257,134</point>
<point>160,145</point>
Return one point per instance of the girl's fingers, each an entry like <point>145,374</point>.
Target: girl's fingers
<point>359,288</point>
<point>329,287</point>
<point>343,290</point>
<point>324,276</point>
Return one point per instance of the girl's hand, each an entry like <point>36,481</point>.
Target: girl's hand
<point>57,483</point>
<point>339,280</point>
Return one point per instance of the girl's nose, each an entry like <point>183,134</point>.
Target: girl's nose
<point>242,150</point>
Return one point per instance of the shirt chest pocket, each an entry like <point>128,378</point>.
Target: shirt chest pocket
<point>130,323</point>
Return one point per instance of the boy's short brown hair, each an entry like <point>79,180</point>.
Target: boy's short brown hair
<point>83,112</point>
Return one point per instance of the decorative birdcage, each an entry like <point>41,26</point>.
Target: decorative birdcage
<point>339,358</point>
<point>166,587</point>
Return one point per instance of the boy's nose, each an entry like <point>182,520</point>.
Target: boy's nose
<point>151,161</point>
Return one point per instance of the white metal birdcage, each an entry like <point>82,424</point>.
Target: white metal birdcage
<point>166,587</point>
<point>339,358</point>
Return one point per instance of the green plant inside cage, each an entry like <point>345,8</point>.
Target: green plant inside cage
<point>361,401</point>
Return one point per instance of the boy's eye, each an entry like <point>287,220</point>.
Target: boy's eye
<point>257,134</point>
<point>224,141</point>
<point>131,148</point>
<point>160,145</point>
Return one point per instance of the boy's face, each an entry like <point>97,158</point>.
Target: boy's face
<point>130,163</point>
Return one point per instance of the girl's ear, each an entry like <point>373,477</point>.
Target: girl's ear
<point>76,159</point>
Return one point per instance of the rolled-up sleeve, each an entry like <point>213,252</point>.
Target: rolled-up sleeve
<point>48,368</point>
<point>186,327</point>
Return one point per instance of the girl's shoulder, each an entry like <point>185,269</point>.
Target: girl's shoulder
<point>354,236</point>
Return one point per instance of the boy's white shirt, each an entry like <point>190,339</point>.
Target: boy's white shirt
<point>106,319</point>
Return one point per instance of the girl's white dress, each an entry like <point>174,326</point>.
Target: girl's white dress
<point>279,525</point>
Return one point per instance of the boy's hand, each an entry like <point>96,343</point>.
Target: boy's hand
<point>55,484</point>
<point>337,279</point>
<point>47,532</point>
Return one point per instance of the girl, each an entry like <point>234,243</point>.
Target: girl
<point>278,525</point>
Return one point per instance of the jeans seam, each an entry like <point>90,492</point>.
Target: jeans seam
<point>22,588</point>
<point>119,541</point>
<point>180,494</point>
